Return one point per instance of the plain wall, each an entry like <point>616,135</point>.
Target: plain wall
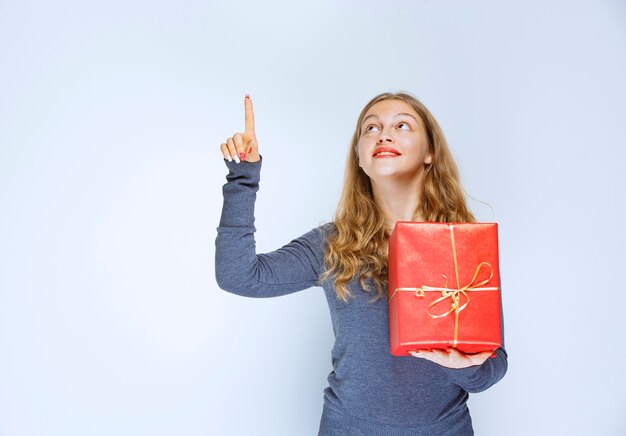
<point>111,116</point>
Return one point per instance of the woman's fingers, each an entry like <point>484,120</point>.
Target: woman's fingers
<point>243,146</point>
<point>247,102</point>
<point>238,139</point>
<point>226,152</point>
<point>251,146</point>
<point>452,358</point>
<point>232,150</point>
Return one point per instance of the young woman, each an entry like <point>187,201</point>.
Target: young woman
<point>399,168</point>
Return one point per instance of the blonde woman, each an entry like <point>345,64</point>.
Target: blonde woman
<point>399,168</point>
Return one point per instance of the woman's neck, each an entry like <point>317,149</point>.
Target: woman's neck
<point>398,199</point>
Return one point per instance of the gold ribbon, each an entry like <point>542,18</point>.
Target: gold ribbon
<point>453,293</point>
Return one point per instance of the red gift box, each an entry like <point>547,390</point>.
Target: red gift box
<point>444,287</point>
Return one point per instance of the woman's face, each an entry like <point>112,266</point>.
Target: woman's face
<point>393,142</point>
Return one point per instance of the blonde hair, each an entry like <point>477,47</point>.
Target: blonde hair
<point>358,246</point>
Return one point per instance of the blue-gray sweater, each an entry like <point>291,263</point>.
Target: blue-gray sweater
<point>369,390</point>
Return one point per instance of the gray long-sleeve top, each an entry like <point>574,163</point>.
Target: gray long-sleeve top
<point>367,382</point>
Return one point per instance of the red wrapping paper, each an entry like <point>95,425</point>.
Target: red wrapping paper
<point>444,287</point>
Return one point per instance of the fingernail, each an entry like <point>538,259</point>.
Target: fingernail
<point>247,95</point>
<point>229,158</point>
<point>236,158</point>
<point>250,149</point>
<point>242,156</point>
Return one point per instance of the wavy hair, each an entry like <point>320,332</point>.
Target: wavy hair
<point>358,245</point>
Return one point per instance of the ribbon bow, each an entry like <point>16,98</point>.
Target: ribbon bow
<point>455,294</point>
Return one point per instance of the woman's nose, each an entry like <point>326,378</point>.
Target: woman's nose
<point>384,137</point>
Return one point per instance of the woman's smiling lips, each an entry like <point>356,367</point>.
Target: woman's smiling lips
<point>383,152</point>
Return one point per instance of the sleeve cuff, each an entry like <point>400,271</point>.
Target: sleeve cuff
<point>244,166</point>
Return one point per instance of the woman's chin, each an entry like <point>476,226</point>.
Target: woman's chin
<point>388,174</point>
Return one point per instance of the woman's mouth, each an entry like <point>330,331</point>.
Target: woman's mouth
<point>385,152</point>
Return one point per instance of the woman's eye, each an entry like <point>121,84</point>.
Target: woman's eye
<point>371,128</point>
<point>404,126</point>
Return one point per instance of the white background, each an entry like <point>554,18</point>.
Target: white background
<point>111,115</point>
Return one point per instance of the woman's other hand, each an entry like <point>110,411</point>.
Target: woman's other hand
<point>243,146</point>
<point>453,358</point>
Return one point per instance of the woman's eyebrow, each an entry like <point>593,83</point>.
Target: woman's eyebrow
<point>396,115</point>
<point>408,115</point>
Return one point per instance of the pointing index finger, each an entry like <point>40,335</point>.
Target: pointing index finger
<point>249,115</point>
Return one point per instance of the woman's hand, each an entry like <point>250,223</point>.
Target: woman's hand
<point>243,146</point>
<point>453,358</point>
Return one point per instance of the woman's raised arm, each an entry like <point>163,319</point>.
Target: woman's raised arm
<point>238,269</point>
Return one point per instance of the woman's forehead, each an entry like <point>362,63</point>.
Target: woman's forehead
<point>390,107</point>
